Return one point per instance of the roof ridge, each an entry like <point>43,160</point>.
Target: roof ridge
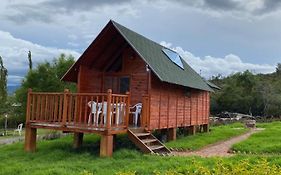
<point>114,22</point>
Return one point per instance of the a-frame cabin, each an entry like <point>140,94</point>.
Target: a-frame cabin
<point>123,68</point>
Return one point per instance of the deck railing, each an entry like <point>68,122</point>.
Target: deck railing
<point>103,111</point>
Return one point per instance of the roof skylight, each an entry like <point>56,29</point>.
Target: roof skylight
<point>173,56</point>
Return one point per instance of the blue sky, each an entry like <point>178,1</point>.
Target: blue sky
<point>214,36</point>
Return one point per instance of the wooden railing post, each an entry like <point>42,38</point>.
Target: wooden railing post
<point>108,109</point>
<point>28,105</point>
<point>127,108</point>
<point>65,102</point>
<point>144,111</point>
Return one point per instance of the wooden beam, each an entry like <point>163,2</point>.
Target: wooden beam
<point>106,145</point>
<point>30,139</point>
<point>172,134</point>
<point>77,140</point>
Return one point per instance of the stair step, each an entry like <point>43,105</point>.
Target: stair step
<point>148,140</point>
<point>142,134</point>
<point>155,147</point>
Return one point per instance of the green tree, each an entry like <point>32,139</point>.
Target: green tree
<point>46,78</point>
<point>29,60</point>
<point>3,82</point>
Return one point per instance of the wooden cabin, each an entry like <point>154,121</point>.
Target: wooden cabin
<point>119,69</point>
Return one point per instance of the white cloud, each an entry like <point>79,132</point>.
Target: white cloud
<point>14,53</point>
<point>209,66</point>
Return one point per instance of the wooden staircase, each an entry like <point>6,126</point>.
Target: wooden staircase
<point>146,142</point>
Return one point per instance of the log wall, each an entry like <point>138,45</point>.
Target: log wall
<point>175,106</point>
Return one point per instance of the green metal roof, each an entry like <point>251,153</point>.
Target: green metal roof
<point>212,85</point>
<point>151,52</point>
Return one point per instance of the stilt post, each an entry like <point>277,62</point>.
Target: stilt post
<point>30,139</point>
<point>106,145</point>
<point>77,140</point>
<point>172,134</point>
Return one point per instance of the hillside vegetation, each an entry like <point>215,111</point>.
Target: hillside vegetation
<point>245,92</point>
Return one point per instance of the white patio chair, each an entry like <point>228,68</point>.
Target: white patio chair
<point>136,113</point>
<point>120,112</point>
<point>19,129</point>
<point>95,113</point>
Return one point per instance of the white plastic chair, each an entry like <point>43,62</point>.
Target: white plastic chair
<point>96,111</point>
<point>136,113</point>
<point>120,112</point>
<point>19,129</point>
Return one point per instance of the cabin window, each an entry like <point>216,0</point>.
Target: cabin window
<point>124,84</point>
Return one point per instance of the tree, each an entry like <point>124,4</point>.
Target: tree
<point>29,60</point>
<point>3,82</point>
<point>46,78</point>
<point>278,69</point>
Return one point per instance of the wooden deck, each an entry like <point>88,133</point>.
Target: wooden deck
<point>74,112</point>
<point>105,114</point>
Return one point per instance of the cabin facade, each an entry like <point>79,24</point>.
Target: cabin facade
<point>118,70</point>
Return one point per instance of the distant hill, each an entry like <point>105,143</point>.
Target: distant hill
<point>248,93</point>
<point>12,89</point>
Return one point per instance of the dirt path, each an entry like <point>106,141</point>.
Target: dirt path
<point>220,149</point>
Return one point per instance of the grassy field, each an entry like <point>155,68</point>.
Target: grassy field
<point>200,140</point>
<point>267,141</point>
<point>58,157</point>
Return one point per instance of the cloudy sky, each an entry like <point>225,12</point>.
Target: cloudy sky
<point>213,36</point>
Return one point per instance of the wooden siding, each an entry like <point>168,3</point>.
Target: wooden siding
<point>92,80</point>
<point>89,80</point>
<point>171,106</point>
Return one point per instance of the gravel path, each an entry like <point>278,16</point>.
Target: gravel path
<point>11,140</point>
<point>220,149</point>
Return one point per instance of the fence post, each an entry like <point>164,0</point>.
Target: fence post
<point>127,108</point>
<point>28,105</point>
<point>108,109</point>
<point>64,114</point>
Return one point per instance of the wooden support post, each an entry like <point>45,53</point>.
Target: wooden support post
<point>192,130</point>
<point>206,127</point>
<point>77,140</point>
<point>30,139</point>
<point>172,134</point>
<point>106,145</point>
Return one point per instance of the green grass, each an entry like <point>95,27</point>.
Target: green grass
<point>217,133</point>
<point>267,141</point>
<point>58,157</point>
